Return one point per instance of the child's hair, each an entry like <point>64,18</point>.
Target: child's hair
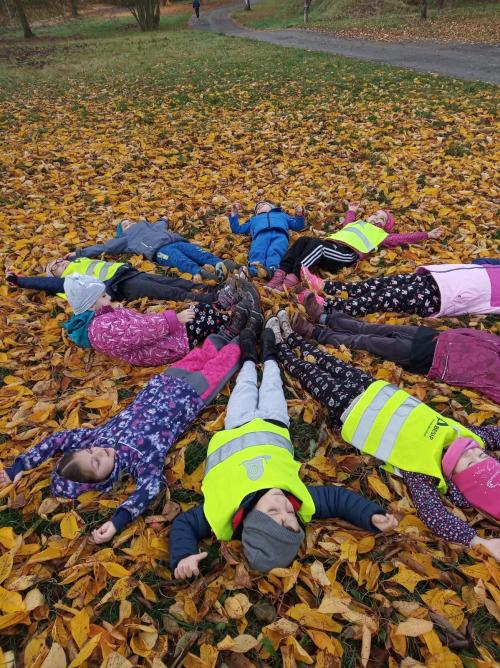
<point>69,468</point>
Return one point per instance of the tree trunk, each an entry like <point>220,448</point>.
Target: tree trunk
<point>146,13</point>
<point>423,10</point>
<point>28,33</point>
<point>307,4</point>
<point>440,4</point>
<point>247,5</point>
<point>74,8</point>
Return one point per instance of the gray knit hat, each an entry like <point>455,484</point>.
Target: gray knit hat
<point>267,544</point>
<point>82,291</point>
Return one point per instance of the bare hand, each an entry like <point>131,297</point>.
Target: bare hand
<point>492,545</point>
<point>354,206</point>
<point>436,233</point>
<point>235,208</point>
<point>104,533</point>
<point>384,522</point>
<point>299,210</point>
<point>188,566</point>
<point>186,316</point>
<point>5,480</point>
<point>69,256</point>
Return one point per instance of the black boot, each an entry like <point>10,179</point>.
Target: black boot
<point>248,346</point>
<point>238,322</point>
<point>268,347</point>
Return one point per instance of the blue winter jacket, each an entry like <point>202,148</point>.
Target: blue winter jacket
<point>189,528</point>
<point>142,238</point>
<point>276,219</point>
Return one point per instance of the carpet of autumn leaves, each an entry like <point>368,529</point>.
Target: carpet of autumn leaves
<point>72,163</point>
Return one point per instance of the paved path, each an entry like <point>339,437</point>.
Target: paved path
<point>474,62</point>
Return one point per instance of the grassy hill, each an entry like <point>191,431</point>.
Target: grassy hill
<point>470,20</point>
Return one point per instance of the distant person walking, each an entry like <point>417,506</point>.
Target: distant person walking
<point>196,7</point>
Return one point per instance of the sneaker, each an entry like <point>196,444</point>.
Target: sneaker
<point>284,322</point>
<point>290,281</point>
<point>276,282</point>
<point>221,272</point>
<point>313,309</point>
<point>314,283</point>
<point>238,321</point>
<point>206,275</point>
<point>274,325</point>
<point>302,326</point>
<point>268,349</point>
<point>248,346</point>
<point>230,294</point>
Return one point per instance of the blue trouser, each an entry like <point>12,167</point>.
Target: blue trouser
<point>267,249</point>
<point>185,256</point>
<point>486,260</point>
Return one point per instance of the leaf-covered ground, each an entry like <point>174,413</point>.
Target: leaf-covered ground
<point>183,124</point>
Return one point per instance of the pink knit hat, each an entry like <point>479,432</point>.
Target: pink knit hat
<point>480,483</point>
<point>390,221</point>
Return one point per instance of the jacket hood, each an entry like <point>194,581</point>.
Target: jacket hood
<point>78,328</point>
<point>390,221</point>
<point>60,486</point>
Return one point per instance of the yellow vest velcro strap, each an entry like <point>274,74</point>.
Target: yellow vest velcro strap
<point>362,237</point>
<point>243,442</point>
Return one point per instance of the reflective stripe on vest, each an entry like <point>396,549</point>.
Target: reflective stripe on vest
<point>388,439</point>
<point>103,271</point>
<point>364,237</point>
<point>242,443</point>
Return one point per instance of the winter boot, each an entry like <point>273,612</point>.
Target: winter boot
<point>276,282</point>
<point>302,326</point>
<point>313,309</point>
<point>248,346</point>
<point>268,348</point>
<point>274,325</point>
<point>291,281</point>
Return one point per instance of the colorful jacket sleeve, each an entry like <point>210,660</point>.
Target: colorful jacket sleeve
<point>61,441</point>
<point>114,246</point>
<point>296,223</point>
<point>404,239</point>
<point>431,510</point>
<point>49,284</point>
<point>334,501</point>
<point>349,217</point>
<point>147,489</point>
<point>234,223</point>
<point>113,333</point>
<point>188,529</point>
<point>490,435</point>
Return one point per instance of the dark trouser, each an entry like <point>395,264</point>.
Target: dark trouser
<point>310,251</point>
<point>392,342</point>
<point>207,320</point>
<point>197,12</point>
<point>401,293</point>
<point>332,382</point>
<point>135,284</point>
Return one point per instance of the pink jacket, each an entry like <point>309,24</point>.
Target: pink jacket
<point>141,339</point>
<point>392,240</point>
<point>468,358</point>
<point>466,288</point>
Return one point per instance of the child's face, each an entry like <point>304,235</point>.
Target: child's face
<point>379,218</point>
<point>56,267</point>
<point>469,458</point>
<point>263,207</point>
<point>104,300</point>
<point>275,504</point>
<point>96,464</point>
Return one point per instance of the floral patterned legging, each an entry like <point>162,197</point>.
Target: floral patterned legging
<point>207,320</point>
<point>329,380</point>
<point>402,293</point>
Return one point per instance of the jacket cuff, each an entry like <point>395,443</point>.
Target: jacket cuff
<point>12,471</point>
<point>172,320</point>
<point>121,518</point>
<point>376,510</point>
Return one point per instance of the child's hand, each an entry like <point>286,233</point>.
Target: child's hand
<point>104,533</point>
<point>436,233</point>
<point>186,315</point>
<point>492,545</point>
<point>384,522</point>
<point>188,566</point>
<point>235,208</point>
<point>353,206</point>
<point>5,480</point>
<point>299,210</point>
<point>69,256</point>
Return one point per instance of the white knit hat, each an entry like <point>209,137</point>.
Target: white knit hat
<point>82,291</point>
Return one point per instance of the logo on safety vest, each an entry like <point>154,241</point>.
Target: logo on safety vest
<point>255,467</point>
<point>439,423</point>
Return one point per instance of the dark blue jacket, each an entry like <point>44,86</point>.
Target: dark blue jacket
<point>276,219</point>
<point>191,527</point>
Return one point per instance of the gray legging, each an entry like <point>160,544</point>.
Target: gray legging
<point>392,342</point>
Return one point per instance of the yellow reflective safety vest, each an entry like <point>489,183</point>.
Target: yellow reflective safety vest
<point>256,456</point>
<point>88,267</point>
<point>403,432</point>
<point>360,235</point>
